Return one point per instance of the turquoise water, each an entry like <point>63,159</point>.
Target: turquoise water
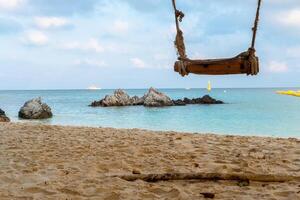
<point>246,112</point>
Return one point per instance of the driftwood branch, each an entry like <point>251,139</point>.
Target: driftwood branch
<point>208,177</point>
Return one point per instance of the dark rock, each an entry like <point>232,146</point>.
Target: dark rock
<point>204,100</point>
<point>3,117</point>
<point>35,109</point>
<point>208,195</point>
<point>179,102</point>
<point>137,101</point>
<point>209,100</point>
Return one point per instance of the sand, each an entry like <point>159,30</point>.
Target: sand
<point>54,162</point>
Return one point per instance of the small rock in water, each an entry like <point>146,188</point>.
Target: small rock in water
<point>179,102</point>
<point>209,100</point>
<point>204,100</point>
<point>35,109</point>
<point>3,117</point>
<point>137,101</point>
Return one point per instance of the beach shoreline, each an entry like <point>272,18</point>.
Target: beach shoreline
<point>66,162</point>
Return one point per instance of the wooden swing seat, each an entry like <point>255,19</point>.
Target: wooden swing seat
<point>240,64</point>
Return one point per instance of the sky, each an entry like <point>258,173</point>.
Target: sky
<point>76,44</point>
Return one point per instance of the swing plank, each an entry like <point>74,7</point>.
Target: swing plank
<point>215,66</point>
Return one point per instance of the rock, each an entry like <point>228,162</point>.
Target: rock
<point>156,99</point>
<point>3,117</point>
<point>96,104</point>
<point>137,101</point>
<point>204,100</point>
<point>209,100</point>
<point>208,195</point>
<point>179,102</point>
<point>35,109</point>
<point>119,98</point>
<point>152,98</point>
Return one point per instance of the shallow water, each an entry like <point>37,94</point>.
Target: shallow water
<point>246,112</point>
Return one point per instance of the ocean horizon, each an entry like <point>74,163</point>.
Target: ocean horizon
<point>247,111</point>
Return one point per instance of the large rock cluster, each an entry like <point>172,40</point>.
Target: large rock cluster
<point>152,98</point>
<point>35,109</point>
<point>3,117</point>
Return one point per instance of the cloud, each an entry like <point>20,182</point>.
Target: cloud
<point>120,26</point>
<point>51,22</point>
<point>278,67</point>
<point>293,52</point>
<point>62,7</point>
<point>10,4</point>
<point>90,62</point>
<point>91,45</point>
<point>35,38</point>
<point>290,18</point>
<point>138,63</point>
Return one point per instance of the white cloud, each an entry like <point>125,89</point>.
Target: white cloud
<point>293,52</point>
<point>138,63</point>
<point>91,45</point>
<point>36,38</point>
<point>90,62</point>
<point>120,26</point>
<point>51,22</point>
<point>10,4</point>
<point>277,67</point>
<point>290,18</point>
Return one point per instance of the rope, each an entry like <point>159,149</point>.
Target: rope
<point>253,62</point>
<point>254,29</point>
<point>179,41</point>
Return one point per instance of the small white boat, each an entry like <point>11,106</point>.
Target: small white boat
<point>93,87</point>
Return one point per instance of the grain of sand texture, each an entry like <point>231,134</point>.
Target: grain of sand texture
<point>54,162</point>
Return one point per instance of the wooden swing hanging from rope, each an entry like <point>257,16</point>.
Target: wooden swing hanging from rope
<point>244,63</point>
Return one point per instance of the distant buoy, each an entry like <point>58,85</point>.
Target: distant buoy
<point>208,86</point>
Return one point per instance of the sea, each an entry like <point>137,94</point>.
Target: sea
<point>257,112</point>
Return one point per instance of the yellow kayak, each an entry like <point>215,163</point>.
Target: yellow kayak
<point>290,92</point>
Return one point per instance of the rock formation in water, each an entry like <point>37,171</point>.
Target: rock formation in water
<point>204,100</point>
<point>155,98</point>
<point>35,109</point>
<point>119,98</point>
<point>152,98</point>
<point>3,117</point>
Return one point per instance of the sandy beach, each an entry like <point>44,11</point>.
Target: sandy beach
<point>54,162</point>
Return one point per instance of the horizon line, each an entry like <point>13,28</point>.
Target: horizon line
<point>164,88</point>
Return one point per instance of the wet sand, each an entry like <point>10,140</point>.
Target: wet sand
<point>55,162</point>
